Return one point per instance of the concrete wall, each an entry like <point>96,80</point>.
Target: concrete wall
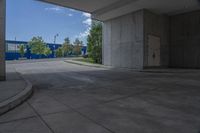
<point>123,41</point>
<point>185,40</point>
<point>2,39</point>
<point>159,26</point>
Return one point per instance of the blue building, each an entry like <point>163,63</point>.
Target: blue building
<point>12,50</point>
<point>84,50</point>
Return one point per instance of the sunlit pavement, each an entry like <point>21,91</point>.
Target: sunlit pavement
<point>69,98</point>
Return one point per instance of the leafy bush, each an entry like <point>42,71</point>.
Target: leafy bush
<point>21,50</point>
<point>59,52</point>
<point>47,51</point>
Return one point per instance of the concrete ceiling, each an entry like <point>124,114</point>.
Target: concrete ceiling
<point>107,9</point>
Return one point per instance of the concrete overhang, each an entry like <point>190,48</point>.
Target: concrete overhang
<point>107,9</point>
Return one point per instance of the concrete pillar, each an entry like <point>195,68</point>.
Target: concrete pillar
<point>2,40</point>
<point>123,41</point>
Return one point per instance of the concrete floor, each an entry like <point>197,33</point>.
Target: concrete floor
<point>70,98</point>
<point>6,87</point>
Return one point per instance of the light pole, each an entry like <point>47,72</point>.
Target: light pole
<point>55,37</point>
<point>55,44</point>
<point>15,48</point>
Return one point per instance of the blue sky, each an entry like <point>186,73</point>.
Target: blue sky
<point>28,18</point>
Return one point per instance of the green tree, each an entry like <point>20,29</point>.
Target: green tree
<point>37,46</point>
<point>67,48</point>
<point>95,42</point>
<point>21,50</point>
<point>77,47</point>
<point>67,40</point>
<point>59,52</point>
<point>47,51</point>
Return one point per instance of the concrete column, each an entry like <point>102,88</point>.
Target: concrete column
<point>2,40</point>
<point>123,41</point>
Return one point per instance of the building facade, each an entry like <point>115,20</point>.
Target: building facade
<point>13,48</point>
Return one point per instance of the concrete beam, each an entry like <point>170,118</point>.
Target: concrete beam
<point>2,40</point>
<point>111,7</point>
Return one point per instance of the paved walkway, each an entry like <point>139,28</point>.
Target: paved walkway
<point>13,91</point>
<point>69,98</point>
<point>12,86</point>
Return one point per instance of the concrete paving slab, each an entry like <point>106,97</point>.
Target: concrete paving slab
<point>182,99</point>
<point>141,116</point>
<point>77,100</point>
<point>31,125</point>
<point>72,122</point>
<point>45,104</point>
<point>21,112</point>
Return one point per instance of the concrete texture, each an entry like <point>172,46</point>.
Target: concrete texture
<point>2,39</point>
<point>123,41</point>
<point>13,91</point>
<point>185,37</point>
<point>30,125</point>
<point>159,26</point>
<point>81,99</point>
<point>21,112</point>
<point>72,122</point>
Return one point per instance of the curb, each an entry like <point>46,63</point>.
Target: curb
<point>85,64</point>
<point>99,66</point>
<point>17,99</point>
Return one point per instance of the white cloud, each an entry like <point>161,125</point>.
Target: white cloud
<point>56,9</point>
<point>88,22</point>
<point>85,33</point>
<point>88,15</point>
<point>70,15</point>
<point>72,10</point>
